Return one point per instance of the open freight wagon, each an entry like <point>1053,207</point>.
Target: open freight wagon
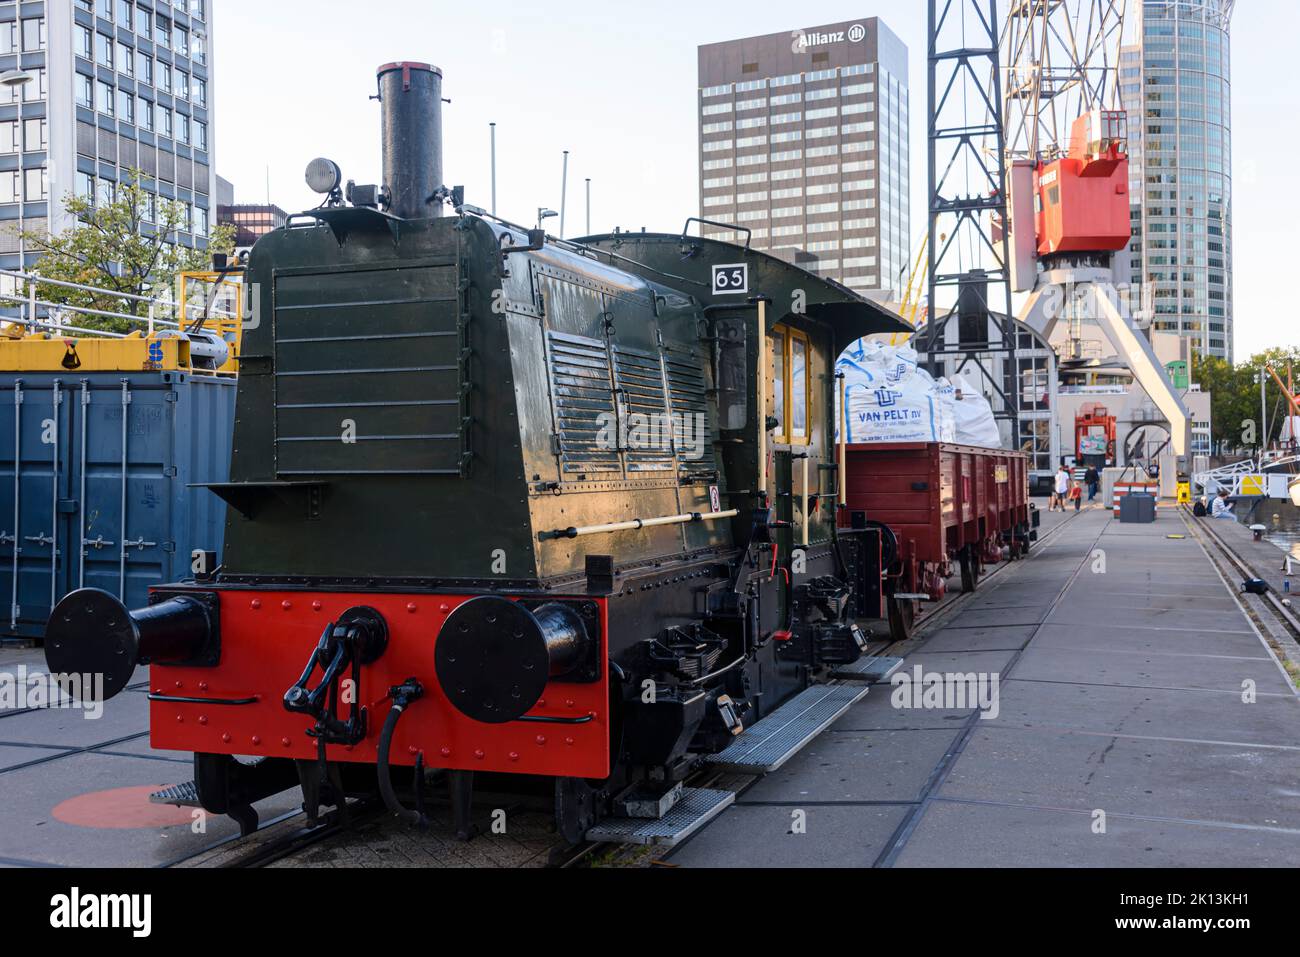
<point>934,507</point>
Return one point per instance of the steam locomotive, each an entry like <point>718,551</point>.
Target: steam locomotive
<point>502,505</point>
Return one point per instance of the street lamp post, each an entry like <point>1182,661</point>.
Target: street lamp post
<point>564,190</point>
<point>15,80</point>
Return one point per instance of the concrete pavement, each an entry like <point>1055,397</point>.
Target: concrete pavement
<point>1140,721</point>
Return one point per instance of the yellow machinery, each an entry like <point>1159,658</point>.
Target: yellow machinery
<point>195,344</point>
<point>911,307</point>
<point>223,312</point>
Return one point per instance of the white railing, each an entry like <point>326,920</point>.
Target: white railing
<point>41,315</point>
<point>1272,476</point>
<point>1117,390</point>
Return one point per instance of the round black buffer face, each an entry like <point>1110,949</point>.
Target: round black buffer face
<point>373,631</point>
<point>494,657</point>
<point>91,632</point>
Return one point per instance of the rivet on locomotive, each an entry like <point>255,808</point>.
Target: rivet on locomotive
<point>502,505</point>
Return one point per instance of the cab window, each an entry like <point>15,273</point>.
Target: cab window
<point>789,393</point>
<point>777,392</point>
<point>798,398</point>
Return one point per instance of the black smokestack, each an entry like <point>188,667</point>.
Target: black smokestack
<point>411,94</point>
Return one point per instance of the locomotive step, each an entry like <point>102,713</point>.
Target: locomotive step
<point>780,736</point>
<point>868,670</point>
<point>696,808</point>
<point>647,802</point>
<point>180,795</point>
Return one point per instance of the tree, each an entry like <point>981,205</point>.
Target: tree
<point>1236,397</point>
<point>1279,359</point>
<point>1230,400</point>
<point>128,245</point>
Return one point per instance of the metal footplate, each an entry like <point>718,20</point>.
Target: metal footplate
<point>696,808</point>
<point>868,670</point>
<point>779,737</point>
<point>180,795</point>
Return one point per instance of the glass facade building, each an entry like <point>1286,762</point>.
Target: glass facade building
<point>116,85</point>
<point>251,221</point>
<point>1176,86</point>
<point>804,142</point>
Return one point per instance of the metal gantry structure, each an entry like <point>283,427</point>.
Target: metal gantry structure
<point>1061,60</point>
<point>968,254</point>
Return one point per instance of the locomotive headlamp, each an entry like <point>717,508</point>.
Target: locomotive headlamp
<point>324,176</point>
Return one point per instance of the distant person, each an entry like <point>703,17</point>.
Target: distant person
<point>1092,479</point>
<point>1223,507</point>
<point>1076,495</point>
<point>1060,489</point>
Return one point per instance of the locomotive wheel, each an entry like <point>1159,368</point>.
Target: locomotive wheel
<point>902,618</point>
<point>970,575</point>
<point>575,808</point>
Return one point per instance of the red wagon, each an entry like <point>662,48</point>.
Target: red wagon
<point>937,505</point>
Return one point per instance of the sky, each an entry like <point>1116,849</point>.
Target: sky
<point>615,84</point>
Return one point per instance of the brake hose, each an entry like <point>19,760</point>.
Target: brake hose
<point>403,696</point>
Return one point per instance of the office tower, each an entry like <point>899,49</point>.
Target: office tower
<point>1176,86</point>
<point>804,148</point>
<point>100,87</point>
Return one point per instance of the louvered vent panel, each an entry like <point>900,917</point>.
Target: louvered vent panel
<point>649,439</point>
<point>375,352</point>
<point>688,394</point>
<point>584,404</point>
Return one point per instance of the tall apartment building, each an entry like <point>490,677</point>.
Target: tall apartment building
<point>111,85</point>
<point>804,142</point>
<point>1176,86</point>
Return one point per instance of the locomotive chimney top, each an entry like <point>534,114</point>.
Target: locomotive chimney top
<point>411,97</point>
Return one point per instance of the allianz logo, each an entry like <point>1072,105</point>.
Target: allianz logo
<point>804,39</point>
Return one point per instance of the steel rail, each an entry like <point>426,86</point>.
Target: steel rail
<point>1275,604</point>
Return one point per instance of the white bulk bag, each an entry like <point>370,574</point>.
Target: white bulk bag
<point>975,424</point>
<point>890,398</point>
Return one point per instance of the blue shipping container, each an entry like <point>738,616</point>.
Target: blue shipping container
<point>94,484</point>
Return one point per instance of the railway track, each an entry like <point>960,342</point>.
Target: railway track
<point>935,619</point>
<point>288,836</point>
<point>1275,620</point>
<point>280,837</point>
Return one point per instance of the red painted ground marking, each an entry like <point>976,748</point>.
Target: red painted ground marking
<point>121,808</point>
